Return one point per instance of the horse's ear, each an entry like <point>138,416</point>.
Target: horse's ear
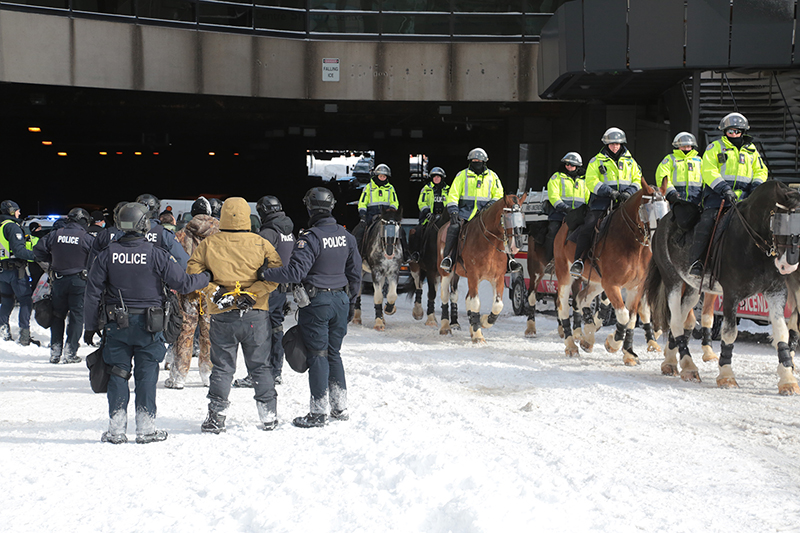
<point>663,187</point>
<point>522,200</point>
<point>647,188</point>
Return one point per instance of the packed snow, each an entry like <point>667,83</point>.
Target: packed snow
<point>444,436</point>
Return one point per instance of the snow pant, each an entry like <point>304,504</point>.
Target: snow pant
<point>583,235</point>
<point>552,229</point>
<point>146,350</point>
<point>14,284</point>
<point>276,301</point>
<point>702,235</point>
<point>251,331</point>
<point>67,293</point>
<point>183,348</point>
<point>450,240</point>
<point>324,325</point>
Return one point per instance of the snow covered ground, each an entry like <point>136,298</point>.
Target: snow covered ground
<point>444,436</point>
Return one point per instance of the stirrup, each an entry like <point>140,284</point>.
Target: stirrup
<point>577,268</point>
<point>514,266</point>
<point>415,257</point>
<point>446,264</point>
<point>696,269</point>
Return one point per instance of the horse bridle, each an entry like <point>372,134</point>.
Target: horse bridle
<point>645,227</point>
<point>516,221</point>
<point>390,235</point>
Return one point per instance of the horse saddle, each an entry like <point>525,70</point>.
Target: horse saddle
<point>537,232</point>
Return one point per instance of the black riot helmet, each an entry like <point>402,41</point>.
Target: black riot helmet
<point>319,199</point>
<point>152,203</point>
<point>216,207</point>
<point>81,216</point>
<point>267,205</point>
<point>201,206</point>
<point>9,207</point>
<point>133,217</point>
<point>116,211</point>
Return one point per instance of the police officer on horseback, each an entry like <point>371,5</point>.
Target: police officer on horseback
<point>473,188</point>
<point>682,171</point>
<point>613,175</point>
<point>431,202</point>
<point>732,168</point>
<point>67,251</point>
<point>126,287</point>
<point>327,263</point>
<point>377,194</point>
<point>566,190</point>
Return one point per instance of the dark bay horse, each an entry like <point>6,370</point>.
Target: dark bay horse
<point>756,253</point>
<point>483,245</point>
<point>619,261</point>
<point>427,269</point>
<point>382,256</point>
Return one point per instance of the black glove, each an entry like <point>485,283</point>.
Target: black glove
<point>88,336</point>
<point>561,207</point>
<point>672,197</point>
<point>624,195</point>
<point>455,219</point>
<point>221,300</point>
<point>245,302</point>
<point>429,216</point>
<point>351,313</point>
<point>362,217</point>
<point>614,195</point>
<point>729,196</point>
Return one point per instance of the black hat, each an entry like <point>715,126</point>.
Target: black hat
<point>97,216</point>
<point>294,349</point>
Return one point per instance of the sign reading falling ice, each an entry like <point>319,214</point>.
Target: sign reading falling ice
<point>330,69</point>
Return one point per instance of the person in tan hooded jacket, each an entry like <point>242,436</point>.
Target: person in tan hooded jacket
<point>239,304</point>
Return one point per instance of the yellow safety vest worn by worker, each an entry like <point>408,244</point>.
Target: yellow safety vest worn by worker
<point>604,174</point>
<point>741,169</point>
<point>469,193</point>
<point>375,197</point>
<point>565,192</point>
<point>430,201</point>
<point>682,170</point>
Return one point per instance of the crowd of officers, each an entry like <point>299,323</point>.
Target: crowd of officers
<point>232,282</point>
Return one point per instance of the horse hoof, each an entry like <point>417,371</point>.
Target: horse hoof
<point>587,346</point>
<point>477,337</point>
<point>788,389</point>
<point>630,359</point>
<point>445,329</point>
<point>431,321</point>
<point>727,383</point>
<point>456,326</point>
<point>653,346</point>
<point>708,354</point>
<point>612,345</point>
<point>380,325</point>
<point>356,321</point>
<point>657,334</point>
<point>390,309</point>
<point>530,331</point>
<point>417,312</point>
<point>669,369</point>
<point>570,349</point>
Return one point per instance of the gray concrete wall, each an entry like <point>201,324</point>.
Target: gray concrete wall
<point>54,50</point>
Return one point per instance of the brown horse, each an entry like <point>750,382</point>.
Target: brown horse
<point>620,260</point>
<point>483,244</point>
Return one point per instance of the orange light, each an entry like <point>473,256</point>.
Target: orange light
<point>155,153</point>
<point>235,153</point>
<point>62,154</point>
<point>35,129</point>
<point>47,143</point>
<point>119,153</point>
<point>137,153</point>
<point>211,153</point>
<point>103,153</point>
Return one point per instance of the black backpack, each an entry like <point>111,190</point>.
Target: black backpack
<point>173,316</point>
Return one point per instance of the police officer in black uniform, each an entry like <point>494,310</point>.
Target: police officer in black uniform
<point>14,257</point>
<point>326,260</point>
<point>67,251</point>
<point>128,276</point>
<point>276,228</point>
<point>105,236</point>
<point>158,234</point>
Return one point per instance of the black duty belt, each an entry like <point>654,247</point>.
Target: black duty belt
<point>133,311</point>
<point>335,289</point>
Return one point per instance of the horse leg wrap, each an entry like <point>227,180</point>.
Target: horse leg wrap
<point>672,343</point>
<point>683,345</point>
<point>390,308</point>
<point>619,334</point>
<point>687,332</point>
<point>627,344</point>
<point>706,332</point>
<point>577,323</point>
<point>445,312</point>
<point>378,311</point>
<point>418,296</point>
<point>588,316</point>
<point>567,328</point>
<point>726,354</point>
<point>431,307</point>
<point>358,304</point>
<point>793,338</point>
<point>492,318</point>
<point>648,332</point>
<point>530,311</point>
<point>784,355</point>
<point>454,313</point>
<point>474,320</point>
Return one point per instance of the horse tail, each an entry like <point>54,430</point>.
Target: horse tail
<point>656,294</point>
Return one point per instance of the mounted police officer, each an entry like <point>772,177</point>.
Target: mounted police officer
<point>681,169</point>
<point>239,314</point>
<point>277,228</point>
<point>431,202</point>
<point>377,194</point>
<point>732,168</point>
<point>14,256</point>
<point>566,190</point>
<point>67,251</point>
<point>326,261</point>
<point>128,277</point>
<point>473,188</point>
<point>158,234</point>
<point>613,175</point>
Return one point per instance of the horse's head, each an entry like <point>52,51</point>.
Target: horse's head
<point>390,230</point>
<point>652,205</point>
<point>774,209</point>
<point>513,221</point>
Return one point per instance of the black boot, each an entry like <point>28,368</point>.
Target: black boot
<point>214,423</point>
<point>311,420</point>
<point>156,436</point>
<point>244,383</point>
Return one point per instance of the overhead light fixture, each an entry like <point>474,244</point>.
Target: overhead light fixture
<point>35,129</point>
<point>137,153</point>
<point>235,153</point>
<point>212,153</point>
<point>62,154</point>
<point>155,153</point>
<point>103,153</point>
<point>119,153</point>
<point>47,143</point>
